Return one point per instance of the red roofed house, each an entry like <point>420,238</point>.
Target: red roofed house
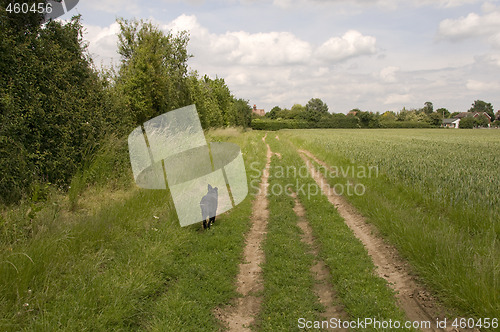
<point>473,114</point>
<point>259,112</point>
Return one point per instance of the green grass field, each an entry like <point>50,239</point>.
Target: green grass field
<point>110,256</point>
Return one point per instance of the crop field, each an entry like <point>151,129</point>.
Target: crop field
<point>399,225</point>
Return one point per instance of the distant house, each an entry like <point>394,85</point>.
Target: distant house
<point>259,112</point>
<point>451,123</point>
<point>474,114</point>
<point>353,113</point>
<point>497,116</point>
<point>455,121</point>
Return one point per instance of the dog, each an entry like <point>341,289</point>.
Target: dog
<point>208,205</point>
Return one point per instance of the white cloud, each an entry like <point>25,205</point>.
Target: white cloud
<point>445,3</point>
<point>388,4</point>
<point>351,44</point>
<point>489,59</point>
<point>482,86</point>
<point>111,6</point>
<point>398,99</point>
<point>268,48</point>
<point>388,74</point>
<point>473,25</point>
<point>240,47</point>
<point>103,43</point>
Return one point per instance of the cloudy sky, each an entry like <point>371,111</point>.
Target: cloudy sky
<point>375,55</point>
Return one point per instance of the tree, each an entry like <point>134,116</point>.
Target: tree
<point>154,69</point>
<point>243,112</point>
<point>273,114</point>
<point>435,119</point>
<point>388,116</point>
<point>52,102</point>
<point>315,109</point>
<point>481,106</point>
<point>317,105</point>
<point>428,108</point>
<point>368,119</point>
<point>200,94</point>
<point>468,122</point>
<point>444,111</point>
<point>223,99</point>
<point>297,112</point>
<point>482,121</point>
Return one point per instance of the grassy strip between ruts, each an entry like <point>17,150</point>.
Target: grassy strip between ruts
<point>363,294</point>
<point>123,269</point>
<point>461,267</point>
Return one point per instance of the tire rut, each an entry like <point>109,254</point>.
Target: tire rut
<point>249,280</point>
<point>412,298</point>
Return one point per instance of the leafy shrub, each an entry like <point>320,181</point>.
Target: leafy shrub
<point>16,175</point>
<point>404,124</point>
<point>467,123</point>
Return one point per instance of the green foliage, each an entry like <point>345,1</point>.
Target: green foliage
<point>468,122</point>
<point>315,109</point>
<point>51,102</point>
<point>153,71</point>
<point>273,114</point>
<point>55,108</point>
<point>265,124</point>
<point>388,116</point>
<point>428,108</point>
<point>242,113</point>
<point>153,79</point>
<point>445,111</point>
<point>16,175</point>
<point>435,119</point>
<point>482,120</point>
<point>368,119</point>
<point>296,112</point>
<point>482,106</point>
<point>100,169</point>
<point>404,124</point>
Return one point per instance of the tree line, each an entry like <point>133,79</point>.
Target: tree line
<point>56,107</point>
<point>315,115</point>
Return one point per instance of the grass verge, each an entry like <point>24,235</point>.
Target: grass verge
<point>120,264</point>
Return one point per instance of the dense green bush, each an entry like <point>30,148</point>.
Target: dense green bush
<point>265,124</point>
<point>51,103</point>
<point>468,123</point>
<point>404,124</point>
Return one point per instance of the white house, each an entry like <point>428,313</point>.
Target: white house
<point>451,123</point>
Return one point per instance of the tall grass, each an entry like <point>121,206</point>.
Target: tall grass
<point>119,261</point>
